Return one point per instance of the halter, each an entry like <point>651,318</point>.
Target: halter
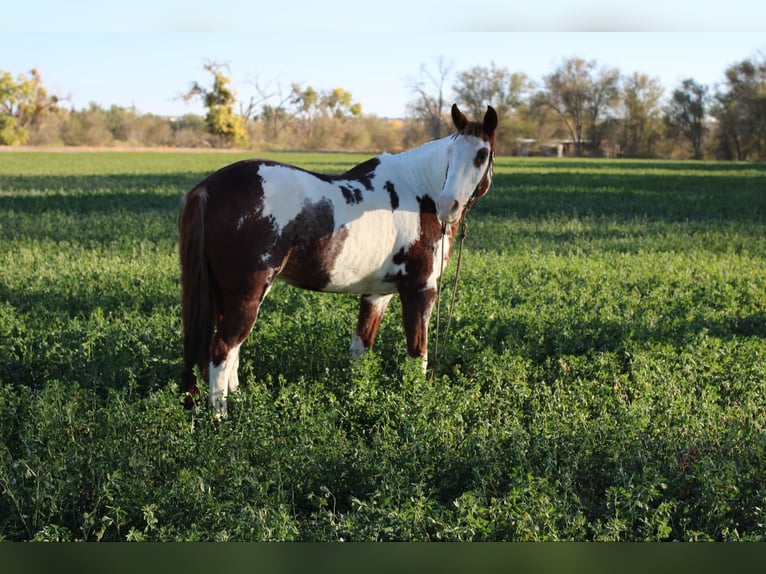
<point>463,230</point>
<point>477,192</point>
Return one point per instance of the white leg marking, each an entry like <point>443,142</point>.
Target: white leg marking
<point>223,379</point>
<point>218,388</point>
<point>421,362</point>
<point>357,347</point>
<point>234,376</point>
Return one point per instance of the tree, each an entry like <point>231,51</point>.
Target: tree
<point>339,104</point>
<point>642,115</point>
<point>685,114</point>
<point>507,92</point>
<point>305,101</point>
<point>274,101</point>
<point>87,127</point>
<point>429,102</point>
<point>24,105</point>
<point>219,100</point>
<point>480,86</point>
<point>582,98</point>
<point>317,118</point>
<point>741,111</point>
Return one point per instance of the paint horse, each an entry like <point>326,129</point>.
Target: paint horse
<point>375,231</point>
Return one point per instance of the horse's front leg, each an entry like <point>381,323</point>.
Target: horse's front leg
<point>371,310</point>
<point>417,304</point>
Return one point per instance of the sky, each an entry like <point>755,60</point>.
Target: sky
<point>146,54</point>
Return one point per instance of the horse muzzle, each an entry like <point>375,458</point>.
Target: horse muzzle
<point>448,210</point>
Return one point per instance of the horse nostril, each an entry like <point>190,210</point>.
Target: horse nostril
<point>455,205</point>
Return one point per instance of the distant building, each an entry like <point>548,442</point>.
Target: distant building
<point>530,147</point>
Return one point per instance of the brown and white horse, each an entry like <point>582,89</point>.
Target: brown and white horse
<point>375,230</point>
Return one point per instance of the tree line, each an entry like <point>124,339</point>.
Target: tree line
<point>580,108</point>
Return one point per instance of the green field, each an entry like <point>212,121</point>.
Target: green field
<point>604,379</point>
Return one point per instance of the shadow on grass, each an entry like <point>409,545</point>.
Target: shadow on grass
<point>626,197</point>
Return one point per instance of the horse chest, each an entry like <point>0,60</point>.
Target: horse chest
<point>366,260</point>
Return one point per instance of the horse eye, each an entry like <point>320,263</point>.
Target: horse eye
<point>481,155</point>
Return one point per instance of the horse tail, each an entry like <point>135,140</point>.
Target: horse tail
<point>196,296</point>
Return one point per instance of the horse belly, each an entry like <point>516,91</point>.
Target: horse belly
<point>365,264</point>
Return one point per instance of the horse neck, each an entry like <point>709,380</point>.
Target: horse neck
<point>424,167</point>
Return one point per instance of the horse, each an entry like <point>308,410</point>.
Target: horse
<point>375,231</point>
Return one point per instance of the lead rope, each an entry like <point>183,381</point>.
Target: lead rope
<point>463,229</point>
<point>438,305</point>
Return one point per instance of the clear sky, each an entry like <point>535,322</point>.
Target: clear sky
<point>147,53</point>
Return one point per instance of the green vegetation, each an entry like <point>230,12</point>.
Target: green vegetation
<point>605,377</point>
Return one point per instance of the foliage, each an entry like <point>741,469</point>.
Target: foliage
<point>685,114</point>
<point>582,97</point>
<point>741,111</point>
<point>480,85</point>
<point>642,125</point>
<point>507,92</point>
<point>321,112</point>
<point>602,111</point>
<point>24,104</point>
<point>430,102</point>
<point>612,387</point>
<point>222,121</point>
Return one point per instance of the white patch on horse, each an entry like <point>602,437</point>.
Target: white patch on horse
<point>357,347</point>
<point>366,257</point>
<point>462,177</point>
<point>224,378</point>
<point>286,191</point>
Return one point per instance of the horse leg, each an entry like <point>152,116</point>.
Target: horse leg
<point>371,310</point>
<point>220,375</point>
<point>239,310</point>
<point>234,376</point>
<point>417,304</point>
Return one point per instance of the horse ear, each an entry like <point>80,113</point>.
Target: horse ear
<point>458,118</point>
<point>490,120</point>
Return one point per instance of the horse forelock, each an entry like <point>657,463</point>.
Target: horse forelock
<point>476,129</point>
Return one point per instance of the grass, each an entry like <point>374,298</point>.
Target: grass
<point>605,377</point>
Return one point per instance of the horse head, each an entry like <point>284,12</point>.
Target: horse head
<point>469,170</point>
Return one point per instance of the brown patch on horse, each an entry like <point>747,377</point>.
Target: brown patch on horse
<point>362,173</point>
<point>416,312</point>
<point>393,196</point>
<point>316,251</point>
<point>412,285</point>
<point>369,320</point>
<point>418,259</point>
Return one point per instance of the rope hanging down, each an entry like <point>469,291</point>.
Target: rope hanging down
<point>463,230</point>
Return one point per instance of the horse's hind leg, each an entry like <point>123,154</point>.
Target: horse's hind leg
<point>238,312</point>
<point>371,309</point>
